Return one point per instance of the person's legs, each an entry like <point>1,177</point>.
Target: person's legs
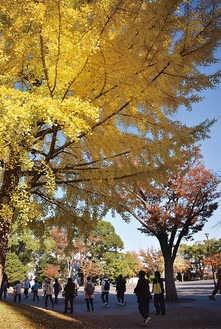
<point>156,303</point>
<point>102,297</point>
<point>66,305</point>
<point>92,304</point>
<point>141,309</point>
<point>118,297</point>
<point>146,308</point>
<point>71,303</point>
<point>19,298</point>
<point>122,297</point>
<point>162,304</point>
<point>107,295</point>
<point>87,303</point>
<point>52,302</point>
<point>46,300</point>
<point>26,293</point>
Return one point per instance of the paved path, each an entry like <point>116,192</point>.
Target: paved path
<point>195,311</point>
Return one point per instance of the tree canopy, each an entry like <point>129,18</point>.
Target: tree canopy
<point>85,92</point>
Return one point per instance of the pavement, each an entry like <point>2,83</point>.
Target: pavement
<point>194,311</point>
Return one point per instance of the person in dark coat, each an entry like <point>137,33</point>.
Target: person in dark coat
<point>158,291</point>
<point>121,288</point>
<point>142,291</point>
<point>69,291</point>
<point>4,286</point>
<point>218,284</point>
<point>57,289</point>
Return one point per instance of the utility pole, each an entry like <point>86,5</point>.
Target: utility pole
<point>210,256</point>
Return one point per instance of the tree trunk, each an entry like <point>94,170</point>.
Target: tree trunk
<point>9,182</point>
<point>171,292</point>
<point>4,234</point>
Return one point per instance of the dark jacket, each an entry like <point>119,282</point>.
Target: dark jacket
<point>142,290</point>
<point>69,290</point>
<point>121,285</point>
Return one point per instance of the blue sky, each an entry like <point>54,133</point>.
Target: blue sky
<point>209,108</point>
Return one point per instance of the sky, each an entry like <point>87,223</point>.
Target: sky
<point>209,108</point>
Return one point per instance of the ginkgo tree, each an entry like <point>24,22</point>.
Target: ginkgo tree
<point>85,90</point>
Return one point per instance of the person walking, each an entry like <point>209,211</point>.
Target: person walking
<point>4,286</point>
<point>89,288</point>
<point>17,291</point>
<point>69,293</point>
<point>218,284</point>
<point>48,293</point>
<point>35,288</point>
<point>121,288</point>
<point>57,289</point>
<point>158,291</point>
<point>76,288</point>
<point>143,294</point>
<point>105,287</point>
<point>27,285</point>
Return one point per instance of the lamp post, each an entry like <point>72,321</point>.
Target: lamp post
<point>210,257</point>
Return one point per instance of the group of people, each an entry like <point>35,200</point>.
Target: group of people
<point>89,288</point>
<point>142,291</point>
<point>70,291</point>
<point>34,285</point>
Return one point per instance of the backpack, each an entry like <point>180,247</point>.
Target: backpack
<point>107,285</point>
<point>49,288</point>
<point>157,288</point>
<point>89,289</point>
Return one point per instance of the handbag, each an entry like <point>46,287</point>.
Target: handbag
<point>14,293</point>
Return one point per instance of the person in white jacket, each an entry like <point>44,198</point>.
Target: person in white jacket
<point>17,291</point>
<point>48,293</point>
<point>105,287</point>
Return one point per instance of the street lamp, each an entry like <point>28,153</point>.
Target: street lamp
<point>210,256</point>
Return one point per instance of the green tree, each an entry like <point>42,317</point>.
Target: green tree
<point>31,245</point>
<point>15,269</point>
<point>133,262</point>
<point>103,241</point>
<point>104,246</point>
<point>85,90</point>
<point>203,255</point>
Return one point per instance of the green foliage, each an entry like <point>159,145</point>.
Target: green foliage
<point>14,268</point>
<point>103,242</point>
<point>203,254</point>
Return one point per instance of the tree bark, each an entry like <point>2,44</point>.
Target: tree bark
<point>4,234</point>
<point>171,292</point>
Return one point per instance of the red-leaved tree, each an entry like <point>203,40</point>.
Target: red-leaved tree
<point>175,209</point>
